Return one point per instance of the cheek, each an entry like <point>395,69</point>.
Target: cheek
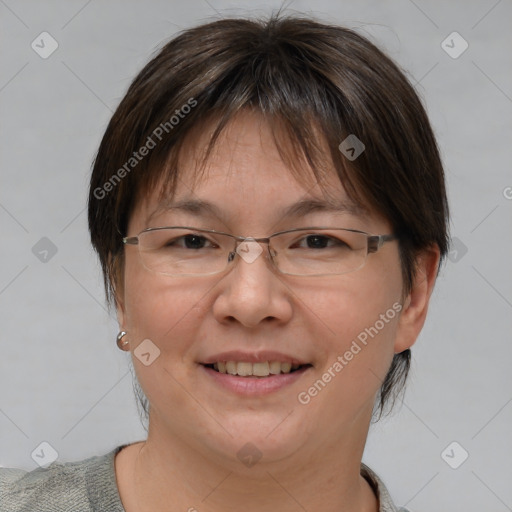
<point>341,308</point>
<point>169,312</point>
<point>361,326</point>
<point>356,336</point>
<point>165,310</point>
<point>158,306</point>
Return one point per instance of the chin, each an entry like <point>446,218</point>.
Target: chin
<point>256,441</point>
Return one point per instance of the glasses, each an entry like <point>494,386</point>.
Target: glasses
<point>187,251</point>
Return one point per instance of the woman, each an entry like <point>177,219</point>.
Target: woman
<point>269,210</point>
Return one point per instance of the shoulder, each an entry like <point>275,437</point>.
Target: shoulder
<point>79,486</point>
<point>385,502</point>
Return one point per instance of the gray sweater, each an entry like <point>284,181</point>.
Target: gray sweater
<point>90,486</point>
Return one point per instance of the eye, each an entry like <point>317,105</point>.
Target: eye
<point>190,241</point>
<point>316,241</point>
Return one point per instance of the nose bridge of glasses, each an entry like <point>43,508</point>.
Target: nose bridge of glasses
<point>241,239</point>
<point>249,248</point>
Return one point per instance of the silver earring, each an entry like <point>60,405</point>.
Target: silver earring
<point>120,343</point>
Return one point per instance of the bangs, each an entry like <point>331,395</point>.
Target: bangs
<point>304,152</point>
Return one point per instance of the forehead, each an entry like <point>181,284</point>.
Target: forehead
<point>251,150</point>
<point>245,170</point>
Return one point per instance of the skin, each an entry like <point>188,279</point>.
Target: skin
<point>311,454</point>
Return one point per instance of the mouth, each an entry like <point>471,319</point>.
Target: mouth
<point>261,370</point>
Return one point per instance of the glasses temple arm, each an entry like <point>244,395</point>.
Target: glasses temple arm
<point>375,242</point>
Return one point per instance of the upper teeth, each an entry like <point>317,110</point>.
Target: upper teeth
<point>262,369</point>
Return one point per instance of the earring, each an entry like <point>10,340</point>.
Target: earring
<point>120,343</point>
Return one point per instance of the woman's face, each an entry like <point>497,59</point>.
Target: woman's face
<point>350,319</point>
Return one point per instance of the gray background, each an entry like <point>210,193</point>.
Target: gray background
<point>62,379</point>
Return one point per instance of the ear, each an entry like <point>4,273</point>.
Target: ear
<point>415,305</point>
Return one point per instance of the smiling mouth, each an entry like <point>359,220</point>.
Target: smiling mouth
<point>261,369</point>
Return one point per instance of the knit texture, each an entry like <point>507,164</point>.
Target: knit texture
<point>90,486</point>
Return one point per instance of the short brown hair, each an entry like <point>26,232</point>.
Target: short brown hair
<point>318,84</point>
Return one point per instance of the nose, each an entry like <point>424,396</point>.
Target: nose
<point>252,292</point>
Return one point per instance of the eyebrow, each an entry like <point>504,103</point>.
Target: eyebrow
<point>200,207</point>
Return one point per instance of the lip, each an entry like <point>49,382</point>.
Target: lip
<point>253,357</point>
<point>253,386</point>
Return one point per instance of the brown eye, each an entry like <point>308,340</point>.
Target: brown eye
<point>316,241</point>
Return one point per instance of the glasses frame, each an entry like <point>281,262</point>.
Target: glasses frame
<point>374,243</point>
